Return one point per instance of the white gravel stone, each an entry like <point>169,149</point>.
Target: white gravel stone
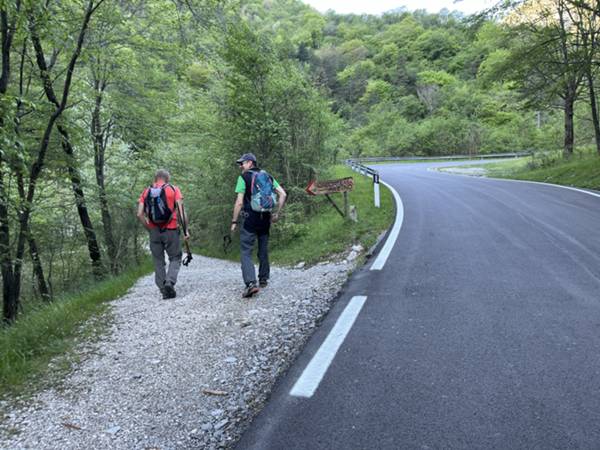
<point>352,256</point>
<point>157,369</point>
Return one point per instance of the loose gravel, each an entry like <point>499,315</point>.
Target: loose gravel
<point>175,374</point>
<point>473,171</point>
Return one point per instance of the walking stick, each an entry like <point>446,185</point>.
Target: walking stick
<point>188,258</point>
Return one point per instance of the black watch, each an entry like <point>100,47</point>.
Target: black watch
<point>234,222</point>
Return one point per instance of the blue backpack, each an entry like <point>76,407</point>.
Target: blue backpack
<point>262,192</point>
<point>156,206</point>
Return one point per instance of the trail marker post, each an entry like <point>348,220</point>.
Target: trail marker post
<point>376,190</point>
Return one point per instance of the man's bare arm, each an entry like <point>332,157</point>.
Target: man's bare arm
<point>237,207</point>
<point>280,202</point>
<point>142,216</point>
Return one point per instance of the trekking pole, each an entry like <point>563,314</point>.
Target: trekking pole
<point>188,258</point>
<point>226,243</point>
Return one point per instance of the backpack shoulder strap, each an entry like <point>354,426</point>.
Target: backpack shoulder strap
<point>254,175</point>
<point>174,194</point>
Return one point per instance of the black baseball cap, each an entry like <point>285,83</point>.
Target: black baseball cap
<point>246,157</point>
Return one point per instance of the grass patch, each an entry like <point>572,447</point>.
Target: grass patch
<point>51,330</point>
<point>313,239</point>
<point>582,172</point>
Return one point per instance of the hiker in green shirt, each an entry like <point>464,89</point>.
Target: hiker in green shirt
<point>258,195</point>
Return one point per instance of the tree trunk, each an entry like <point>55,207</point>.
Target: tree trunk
<point>594,107</point>
<point>7,32</point>
<point>569,132</point>
<point>38,269</point>
<point>26,206</point>
<point>11,298</point>
<point>84,217</point>
<point>99,152</point>
<point>10,301</point>
<point>10,287</point>
<point>11,278</point>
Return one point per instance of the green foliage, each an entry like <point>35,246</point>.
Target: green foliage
<point>436,44</point>
<point>494,67</point>
<point>377,91</point>
<point>402,33</point>
<point>354,79</point>
<point>438,78</point>
<point>438,84</point>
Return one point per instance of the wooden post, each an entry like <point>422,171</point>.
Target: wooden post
<point>334,205</point>
<point>345,204</point>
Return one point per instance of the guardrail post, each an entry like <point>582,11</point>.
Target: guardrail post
<point>376,190</point>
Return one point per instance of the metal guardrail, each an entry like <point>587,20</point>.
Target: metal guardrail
<point>428,158</point>
<point>361,168</point>
<point>367,171</point>
<point>357,166</point>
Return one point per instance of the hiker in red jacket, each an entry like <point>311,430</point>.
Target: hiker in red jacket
<point>160,207</point>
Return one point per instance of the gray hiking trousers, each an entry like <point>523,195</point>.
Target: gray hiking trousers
<point>247,239</point>
<point>161,242</point>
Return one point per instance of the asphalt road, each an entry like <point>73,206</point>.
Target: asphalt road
<point>481,331</point>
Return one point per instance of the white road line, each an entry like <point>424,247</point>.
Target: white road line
<point>391,239</point>
<point>309,381</point>
<point>546,184</point>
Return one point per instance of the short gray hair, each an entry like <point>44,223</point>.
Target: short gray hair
<point>162,174</point>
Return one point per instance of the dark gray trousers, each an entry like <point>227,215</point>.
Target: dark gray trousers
<point>247,239</point>
<point>167,241</point>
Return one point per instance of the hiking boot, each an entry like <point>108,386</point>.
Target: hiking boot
<point>169,292</point>
<point>263,283</point>
<point>250,290</point>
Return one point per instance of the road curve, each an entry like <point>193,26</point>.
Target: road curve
<point>482,330</point>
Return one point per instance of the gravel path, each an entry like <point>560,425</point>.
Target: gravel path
<point>474,171</point>
<point>183,373</point>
